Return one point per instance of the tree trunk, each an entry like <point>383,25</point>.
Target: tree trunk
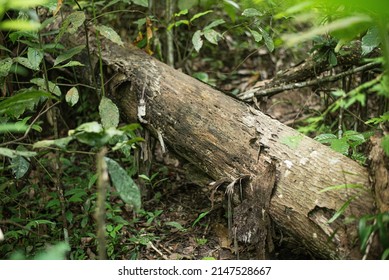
<point>228,140</point>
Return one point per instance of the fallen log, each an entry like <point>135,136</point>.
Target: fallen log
<point>285,171</point>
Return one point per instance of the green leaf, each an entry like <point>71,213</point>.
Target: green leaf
<point>25,100</point>
<point>20,24</point>
<point>198,15</point>
<point>332,60</point>
<point>125,186</point>
<point>251,12</point>
<point>13,127</point>
<point>340,146</point>
<point>197,41</point>
<point>214,24</point>
<point>341,210</point>
<point>35,57</point>
<point>60,143</point>
<point>110,34</point>
<point>371,40</point>
<point>74,21</point>
<point>5,66</point>
<point>341,187</point>
<point>182,12</point>
<point>15,153</point>
<point>385,254</point>
<point>202,215</point>
<point>212,36</point>
<point>24,61</point>
<point>143,3</point>
<point>109,113</point>
<point>364,230</point>
<point>325,138</point>
<point>178,23</point>
<point>68,54</point>
<point>257,37</point>
<point>69,64</point>
<point>268,40</point>
<point>41,83</point>
<point>19,164</point>
<point>72,96</point>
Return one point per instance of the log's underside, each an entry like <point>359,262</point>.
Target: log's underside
<point>228,139</point>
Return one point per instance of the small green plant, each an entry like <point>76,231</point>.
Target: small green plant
<point>348,144</point>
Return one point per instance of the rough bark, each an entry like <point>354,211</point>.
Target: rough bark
<point>229,139</point>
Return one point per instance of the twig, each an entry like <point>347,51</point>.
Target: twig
<point>274,90</point>
<point>4,222</point>
<point>30,126</point>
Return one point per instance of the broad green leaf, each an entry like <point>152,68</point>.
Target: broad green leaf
<point>19,164</point>
<point>89,127</point>
<point>340,146</point>
<point>5,66</point>
<point>198,15</point>
<point>251,12</point>
<point>14,153</point>
<point>35,57</point>
<point>68,54</point>
<point>74,21</point>
<point>71,24</point>
<point>371,40</point>
<point>25,100</point>
<point>19,24</point>
<point>42,86</point>
<point>197,41</point>
<point>325,138</point>
<point>212,36</point>
<point>24,61</point>
<point>268,40</point>
<point>257,37</point>
<point>109,113</point>
<point>110,34</point>
<point>332,60</point>
<point>60,143</point>
<point>125,186</point>
<point>143,3</point>
<point>72,96</point>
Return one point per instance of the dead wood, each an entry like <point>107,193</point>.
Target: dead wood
<point>228,139</point>
<point>309,72</point>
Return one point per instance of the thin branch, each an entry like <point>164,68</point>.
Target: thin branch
<point>247,95</point>
<point>31,125</point>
